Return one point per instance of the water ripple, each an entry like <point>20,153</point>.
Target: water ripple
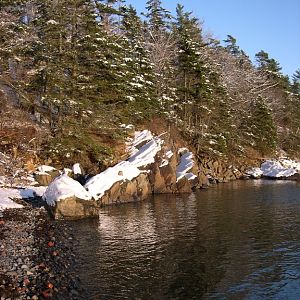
<point>234,241</point>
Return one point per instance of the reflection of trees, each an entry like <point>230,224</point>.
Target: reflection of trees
<point>222,241</point>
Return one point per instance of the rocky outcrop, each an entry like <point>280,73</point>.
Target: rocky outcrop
<point>128,191</point>
<point>219,171</point>
<point>155,166</point>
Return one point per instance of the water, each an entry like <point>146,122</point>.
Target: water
<point>239,240</point>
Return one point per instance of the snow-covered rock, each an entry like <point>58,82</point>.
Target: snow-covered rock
<point>102,182</point>
<point>281,169</point>
<point>186,164</point>
<point>64,187</point>
<point>254,173</point>
<point>68,199</point>
<point>151,167</point>
<point>186,179</point>
<point>46,174</point>
<point>275,169</point>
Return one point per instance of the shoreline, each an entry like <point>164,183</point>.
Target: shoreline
<point>37,259</point>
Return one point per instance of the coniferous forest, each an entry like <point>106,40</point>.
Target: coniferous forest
<point>79,69</point>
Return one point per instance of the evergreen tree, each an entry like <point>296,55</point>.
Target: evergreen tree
<point>262,127</point>
<point>190,67</point>
<point>109,12</point>
<point>158,18</point>
<point>296,82</point>
<point>267,64</point>
<point>231,45</point>
<point>140,78</point>
<point>12,35</point>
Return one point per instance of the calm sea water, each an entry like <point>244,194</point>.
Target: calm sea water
<point>238,240</point>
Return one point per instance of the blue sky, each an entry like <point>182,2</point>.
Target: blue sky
<point>269,25</point>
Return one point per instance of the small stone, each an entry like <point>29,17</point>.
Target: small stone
<point>24,267</point>
<point>19,260</point>
<point>12,273</point>
<point>50,244</point>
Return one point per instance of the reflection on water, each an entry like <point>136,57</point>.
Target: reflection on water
<point>234,241</point>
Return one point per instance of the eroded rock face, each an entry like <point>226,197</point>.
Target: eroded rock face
<point>218,171</point>
<point>129,191</point>
<point>74,208</point>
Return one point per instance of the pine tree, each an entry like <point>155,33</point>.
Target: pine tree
<point>267,64</point>
<point>231,45</point>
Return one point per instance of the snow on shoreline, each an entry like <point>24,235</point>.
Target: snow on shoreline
<point>7,194</point>
<point>275,169</point>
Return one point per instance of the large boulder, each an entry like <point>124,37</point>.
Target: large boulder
<point>74,208</point>
<point>68,199</point>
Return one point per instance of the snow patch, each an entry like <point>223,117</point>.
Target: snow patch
<point>146,155</point>
<point>76,169</point>
<point>186,164</point>
<point>6,195</point>
<point>254,172</point>
<point>45,169</point>
<point>141,137</point>
<point>275,169</point>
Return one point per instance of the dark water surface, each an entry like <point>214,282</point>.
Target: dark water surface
<point>238,240</point>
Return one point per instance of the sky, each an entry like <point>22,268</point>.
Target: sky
<point>269,25</point>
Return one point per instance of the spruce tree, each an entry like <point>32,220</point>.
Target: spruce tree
<point>140,79</point>
<point>296,82</point>
<point>158,18</point>
<point>262,127</point>
<point>266,63</point>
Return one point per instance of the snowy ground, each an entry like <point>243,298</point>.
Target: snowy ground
<point>8,194</point>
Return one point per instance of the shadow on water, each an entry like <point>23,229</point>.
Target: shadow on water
<point>235,241</point>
